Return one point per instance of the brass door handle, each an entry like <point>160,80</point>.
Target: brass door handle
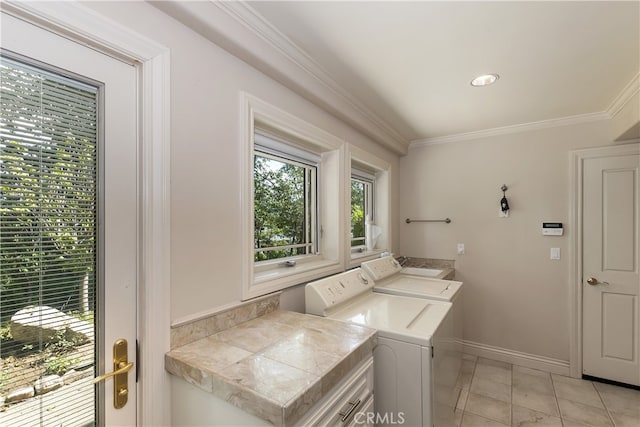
<point>593,281</point>
<point>123,368</point>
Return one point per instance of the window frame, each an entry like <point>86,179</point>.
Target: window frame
<point>364,163</point>
<point>310,163</point>
<point>269,276</point>
<point>368,182</point>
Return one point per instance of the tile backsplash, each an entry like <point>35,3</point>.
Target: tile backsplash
<point>228,317</point>
<point>430,263</point>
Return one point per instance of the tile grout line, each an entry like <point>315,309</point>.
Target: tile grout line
<point>555,397</point>
<point>606,408</point>
<point>469,395</point>
<point>473,374</point>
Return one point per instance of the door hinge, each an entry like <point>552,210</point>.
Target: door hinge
<point>137,360</point>
<point>432,351</point>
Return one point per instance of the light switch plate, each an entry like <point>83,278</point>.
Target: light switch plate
<point>555,253</point>
<point>460,248</point>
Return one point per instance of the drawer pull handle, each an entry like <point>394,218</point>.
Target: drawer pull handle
<point>354,405</point>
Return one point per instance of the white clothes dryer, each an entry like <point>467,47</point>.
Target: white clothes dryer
<point>412,334</point>
<point>390,277</point>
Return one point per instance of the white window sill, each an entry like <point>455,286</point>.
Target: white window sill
<point>359,257</point>
<point>273,277</point>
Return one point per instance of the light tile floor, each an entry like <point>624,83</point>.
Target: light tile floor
<point>498,394</point>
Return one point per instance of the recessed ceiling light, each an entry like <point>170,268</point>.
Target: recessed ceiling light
<point>484,80</point>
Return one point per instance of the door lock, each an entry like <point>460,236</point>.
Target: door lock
<point>121,367</point>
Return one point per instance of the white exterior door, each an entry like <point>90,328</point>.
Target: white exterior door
<point>610,280</point>
<point>117,234</point>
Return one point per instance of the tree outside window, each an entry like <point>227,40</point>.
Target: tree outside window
<point>283,207</point>
<point>357,213</point>
<point>361,208</point>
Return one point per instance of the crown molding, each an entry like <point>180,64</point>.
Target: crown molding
<point>629,91</point>
<point>243,32</point>
<point>505,130</point>
<point>624,97</point>
<point>280,42</point>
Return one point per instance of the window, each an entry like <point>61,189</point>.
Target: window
<point>294,201</point>
<point>369,219</point>
<point>361,208</point>
<point>284,202</point>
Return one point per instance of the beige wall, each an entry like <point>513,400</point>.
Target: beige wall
<point>205,156</point>
<point>515,296</point>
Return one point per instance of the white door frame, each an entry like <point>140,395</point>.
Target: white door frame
<point>79,23</point>
<point>575,273</point>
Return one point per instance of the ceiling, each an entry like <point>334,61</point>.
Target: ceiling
<point>411,63</point>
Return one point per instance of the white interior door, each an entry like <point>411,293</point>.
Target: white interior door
<point>116,231</point>
<point>610,280</point>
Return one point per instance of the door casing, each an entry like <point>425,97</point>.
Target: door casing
<point>575,274</point>
<point>81,24</point>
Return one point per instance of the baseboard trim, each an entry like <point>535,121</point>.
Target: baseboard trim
<point>534,361</point>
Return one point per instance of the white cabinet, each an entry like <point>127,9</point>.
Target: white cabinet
<point>349,400</point>
<point>348,404</point>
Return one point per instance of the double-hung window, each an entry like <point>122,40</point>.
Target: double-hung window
<point>285,200</point>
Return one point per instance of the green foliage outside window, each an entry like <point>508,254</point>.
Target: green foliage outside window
<point>357,213</point>
<point>47,192</point>
<point>281,208</point>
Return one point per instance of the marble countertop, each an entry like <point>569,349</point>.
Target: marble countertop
<point>447,273</point>
<point>276,366</point>
<point>447,266</point>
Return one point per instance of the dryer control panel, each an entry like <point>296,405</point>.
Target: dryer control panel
<point>380,268</point>
<point>325,293</point>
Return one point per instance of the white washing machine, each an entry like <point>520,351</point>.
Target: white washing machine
<point>390,278</point>
<point>412,334</point>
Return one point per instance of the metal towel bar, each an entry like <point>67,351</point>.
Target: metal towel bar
<point>409,221</point>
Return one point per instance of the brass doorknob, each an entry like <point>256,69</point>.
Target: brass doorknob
<point>593,281</point>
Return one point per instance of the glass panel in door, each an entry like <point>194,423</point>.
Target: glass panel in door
<point>48,227</point>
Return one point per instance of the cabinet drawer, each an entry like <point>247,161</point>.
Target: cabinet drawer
<point>364,416</point>
<point>348,398</point>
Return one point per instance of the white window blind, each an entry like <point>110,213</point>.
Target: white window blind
<point>271,144</point>
<point>48,222</point>
<point>363,175</point>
